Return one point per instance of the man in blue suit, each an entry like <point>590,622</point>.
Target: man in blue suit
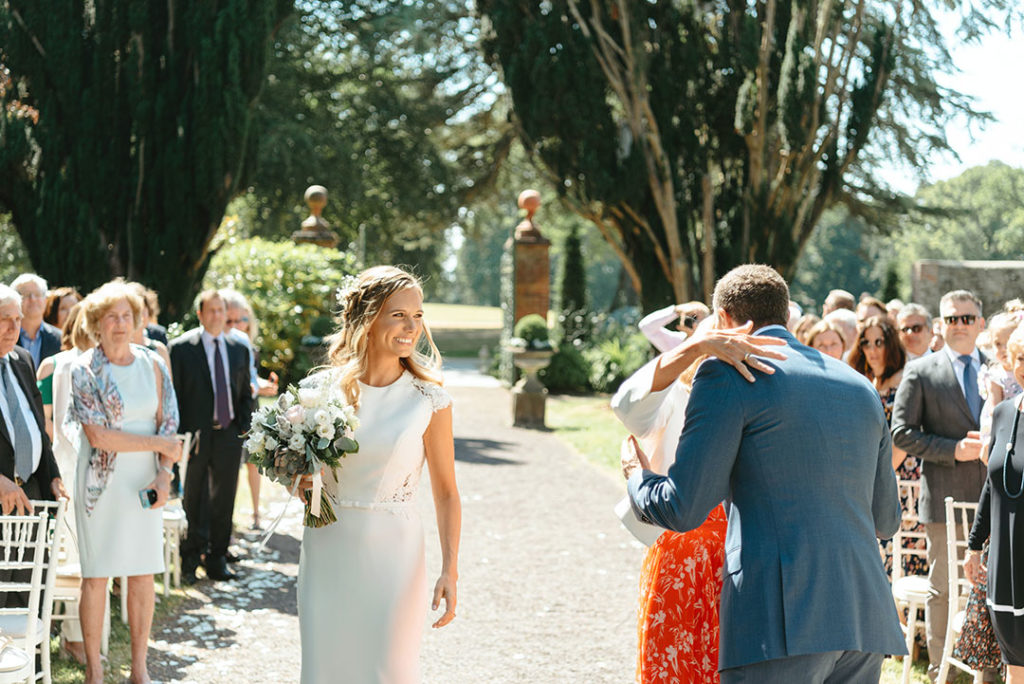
<point>804,459</point>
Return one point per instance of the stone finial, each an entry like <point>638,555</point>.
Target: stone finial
<point>315,229</point>
<point>527,231</point>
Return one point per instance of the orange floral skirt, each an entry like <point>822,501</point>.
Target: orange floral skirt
<point>680,586</point>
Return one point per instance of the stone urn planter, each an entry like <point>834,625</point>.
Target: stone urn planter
<point>529,394</point>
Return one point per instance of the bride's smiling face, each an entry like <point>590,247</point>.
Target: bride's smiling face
<point>398,326</point>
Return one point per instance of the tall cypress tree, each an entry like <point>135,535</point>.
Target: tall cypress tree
<point>143,132</point>
<point>571,286</point>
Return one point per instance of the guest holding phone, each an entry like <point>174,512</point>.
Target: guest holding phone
<point>124,401</point>
<point>689,315</point>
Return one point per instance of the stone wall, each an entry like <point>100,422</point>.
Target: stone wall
<point>993,281</point>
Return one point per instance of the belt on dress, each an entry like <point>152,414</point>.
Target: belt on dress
<point>390,506</point>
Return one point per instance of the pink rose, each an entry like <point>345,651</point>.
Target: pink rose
<point>295,415</point>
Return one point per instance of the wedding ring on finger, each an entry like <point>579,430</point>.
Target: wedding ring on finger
<point>747,357</point>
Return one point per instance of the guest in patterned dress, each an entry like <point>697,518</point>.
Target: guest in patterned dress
<point>878,355</point>
<point>682,573</point>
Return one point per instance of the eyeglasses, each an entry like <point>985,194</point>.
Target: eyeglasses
<point>236,321</point>
<point>963,319</point>
<point>878,342</point>
<point>908,329</point>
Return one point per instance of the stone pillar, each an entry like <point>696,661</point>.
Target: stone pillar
<point>527,252</point>
<point>532,267</point>
<point>315,230</point>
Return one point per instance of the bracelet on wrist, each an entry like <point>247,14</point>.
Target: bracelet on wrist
<point>167,470</point>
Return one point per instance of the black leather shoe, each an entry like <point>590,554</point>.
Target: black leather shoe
<point>188,577</point>
<point>231,558</point>
<point>217,569</point>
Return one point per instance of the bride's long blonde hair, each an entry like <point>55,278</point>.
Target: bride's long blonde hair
<point>360,304</point>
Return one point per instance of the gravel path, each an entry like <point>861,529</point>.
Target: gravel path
<point>547,583</point>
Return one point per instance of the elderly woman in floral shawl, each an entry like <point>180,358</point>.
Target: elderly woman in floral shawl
<point>124,404</point>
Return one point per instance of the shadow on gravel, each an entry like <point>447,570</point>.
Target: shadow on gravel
<point>472,451</point>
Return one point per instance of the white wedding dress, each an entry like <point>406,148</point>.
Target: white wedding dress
<point>362,586</point>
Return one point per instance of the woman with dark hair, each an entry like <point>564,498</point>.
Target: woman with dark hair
<point>58,304</point>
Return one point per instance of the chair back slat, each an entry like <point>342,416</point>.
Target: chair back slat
<point>910,492</point>
<point>21,535</point>
<point>959,519</point>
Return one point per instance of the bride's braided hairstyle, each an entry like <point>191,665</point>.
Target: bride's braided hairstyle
<point>360,304</point>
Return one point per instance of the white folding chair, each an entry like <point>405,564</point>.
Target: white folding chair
<point>959,518</point>
<point>23,542</point>
<point>909,591</point>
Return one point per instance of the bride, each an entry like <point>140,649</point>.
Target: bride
<point>362,589</point>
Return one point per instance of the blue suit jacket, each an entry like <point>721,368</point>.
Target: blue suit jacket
<point>804,459</point>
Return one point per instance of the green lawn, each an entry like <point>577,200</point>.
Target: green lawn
<point>589,426</point>
<point>461,316</point>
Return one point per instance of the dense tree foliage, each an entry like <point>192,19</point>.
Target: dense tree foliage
<point>144,122</point>
<point>390,106</point>
<point>699,135</point>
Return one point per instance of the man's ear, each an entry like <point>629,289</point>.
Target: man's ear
<point>725,321</point>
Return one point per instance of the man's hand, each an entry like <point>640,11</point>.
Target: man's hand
<point>57,487</point>
<point>13,500</point>
<point>969,448</point>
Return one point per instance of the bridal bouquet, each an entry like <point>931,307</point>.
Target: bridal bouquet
<point>304,431</point>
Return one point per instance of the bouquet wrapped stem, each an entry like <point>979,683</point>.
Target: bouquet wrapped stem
<point>326,516</point>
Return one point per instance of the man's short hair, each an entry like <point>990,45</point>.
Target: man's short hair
<point>8,295</point>
<point>913,309</point>
<point>26,278</point>
<point>841,299</point>
<point>753,292</point>
<point>205,296</point>
<point>960,296</point>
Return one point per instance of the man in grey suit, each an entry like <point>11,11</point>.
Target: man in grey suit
<point>935,418</point>
<point>803,458</point>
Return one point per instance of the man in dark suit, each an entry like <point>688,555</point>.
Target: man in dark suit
<point>804,457</point>
<point>211,379</point>
<point>28,469</point>
<point>935,418</point>
<point>41,339</point>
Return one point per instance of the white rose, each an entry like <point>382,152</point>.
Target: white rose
<point>270,443</point>
<point>254,446</point>
<point>297,443</point>
<point>285,401</point>
<point>309,397</point>
<point>325,430</point>
<point>322,417</point>
<point>349,413</point>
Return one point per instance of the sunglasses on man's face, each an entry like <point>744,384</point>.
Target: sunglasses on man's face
<point>912,329</point>
<point>963,319</point>
<point>877,342</point>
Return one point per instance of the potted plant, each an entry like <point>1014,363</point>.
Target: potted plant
<point>531,351</point>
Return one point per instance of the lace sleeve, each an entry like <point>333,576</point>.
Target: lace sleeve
<point>438,396</point>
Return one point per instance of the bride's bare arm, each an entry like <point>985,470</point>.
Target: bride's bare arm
<point>439,445</point>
